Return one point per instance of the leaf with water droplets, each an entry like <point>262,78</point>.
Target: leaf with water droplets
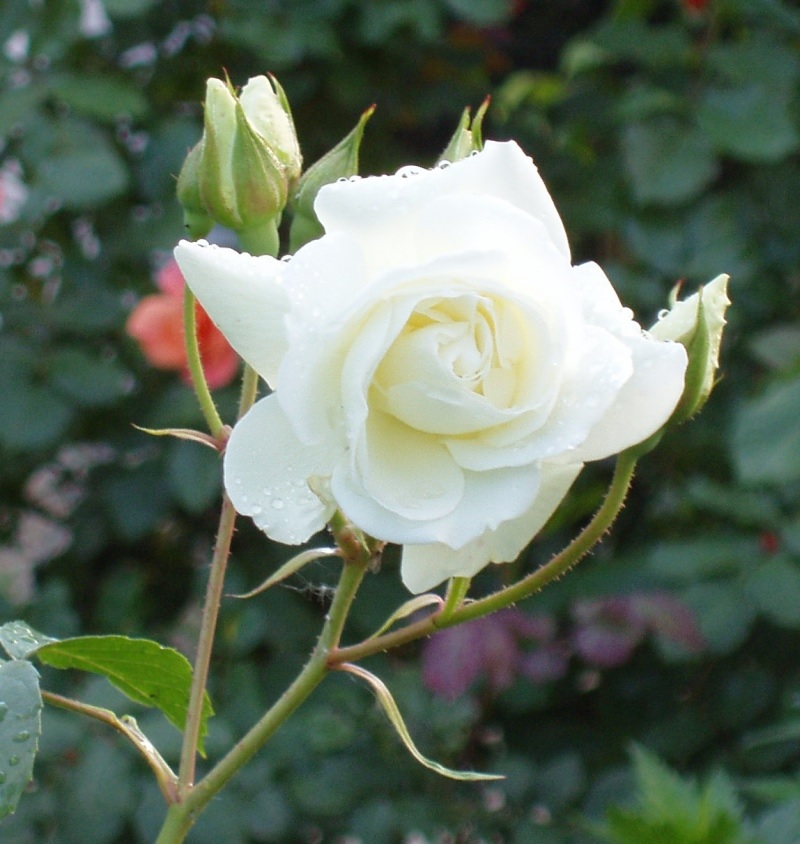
<point>20,727</point>
<point>19,641</point>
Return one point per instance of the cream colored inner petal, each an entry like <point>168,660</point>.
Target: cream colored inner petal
<point>407,471</point>
<point>461,364</point>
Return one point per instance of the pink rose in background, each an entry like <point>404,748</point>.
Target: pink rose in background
<point>156,323</point>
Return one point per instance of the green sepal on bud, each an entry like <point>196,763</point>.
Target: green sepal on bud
<point>341,162</point>
<point>247,161</point>
<point>468,137</point>
<point>696,323</point>
<point>197,220</point>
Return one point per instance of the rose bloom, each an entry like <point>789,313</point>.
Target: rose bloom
<point>157,324</point>
<point>441,371</point>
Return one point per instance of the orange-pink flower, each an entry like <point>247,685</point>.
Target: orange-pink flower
<point>156,323</point>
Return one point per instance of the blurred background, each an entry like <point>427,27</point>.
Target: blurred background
<point>653,695</point>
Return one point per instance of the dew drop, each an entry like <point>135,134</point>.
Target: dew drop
<point>354,179</point>
<point>22,735</point>
<point>256,510</point>
<point>444,164</point>
<point>663,313</point>
<point>342,179</point>
<point>13,760</point>
<point>474,153</point>
<point>277,504</point>
<point>286,259</point>
<point>266,491</point>
<point>408,171</point>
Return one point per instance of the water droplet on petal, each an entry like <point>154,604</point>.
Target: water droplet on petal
<point>286,258</point>
<point>355,179</point>
<point>663,313</point>
<point>22,735</point>
<point>444,164</point>
<point>341,179</point>
<point>13,760</point>
<point>277,504</point>
<point>256,510</point>
<point>474,153</point>
<point>409,170</point>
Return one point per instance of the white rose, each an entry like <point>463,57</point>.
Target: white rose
<point>437,363</point>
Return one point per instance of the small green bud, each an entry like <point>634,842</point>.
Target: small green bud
<point>696,323</point>
<point>242,170</point>
<point>195,217</point>
<point>468,137</point>
<point>339,162</point>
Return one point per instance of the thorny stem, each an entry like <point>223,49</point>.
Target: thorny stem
<point>195,365</point>
<point>205,643</point>
<point>165,776</point>
<point>181,816</point>
<point>552,570</point>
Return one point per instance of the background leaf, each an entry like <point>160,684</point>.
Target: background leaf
<point>20,726</point>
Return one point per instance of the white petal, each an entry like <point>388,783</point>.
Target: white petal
<point>644,403</point>
<point>408,472</point>
<point>585,395</point>
<point>426,566</point>
<point>243,296</point>
<point>267,470</point>
<point>381,211</point>
<point>489,498</point>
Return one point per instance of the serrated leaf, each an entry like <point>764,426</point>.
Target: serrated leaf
<point>20,727</point>
<point>19,640</point>
<point>145,671</point>
<point>392,711</point>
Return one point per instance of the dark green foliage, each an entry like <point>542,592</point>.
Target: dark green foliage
<point>670,141</point>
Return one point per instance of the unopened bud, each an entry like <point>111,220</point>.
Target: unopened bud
<point>468,136</point>
<point>697,323</point>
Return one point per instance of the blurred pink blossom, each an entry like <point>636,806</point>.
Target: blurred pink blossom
<point>157,324</point>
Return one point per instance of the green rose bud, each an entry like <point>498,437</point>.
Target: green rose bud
<point>468,136</point>
<point>248,159</point>
<point>341,162</point>
<point>697,324</point>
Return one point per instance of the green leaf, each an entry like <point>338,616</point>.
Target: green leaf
<point>142,669</point>
<point>766,436</point>
<point>19,640</point>
<point>775,588</point>
<point>693,559</point>
<point>751,122</point>
<point>392,711</point>
<point>724,613</point>
<point>667,161</point>
<point>88,379</point>
<point>195,475</point>
<point>82,176</point>
<point>20,728</point>
<point>100,96</point>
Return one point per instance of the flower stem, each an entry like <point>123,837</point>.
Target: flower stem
<point>126,725</point>
<point>205,643</point>
<point>181,816</point>
<point>195,364</point>
<point>557,566</point>
<point>457,588</point>
<point>214,591</point>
